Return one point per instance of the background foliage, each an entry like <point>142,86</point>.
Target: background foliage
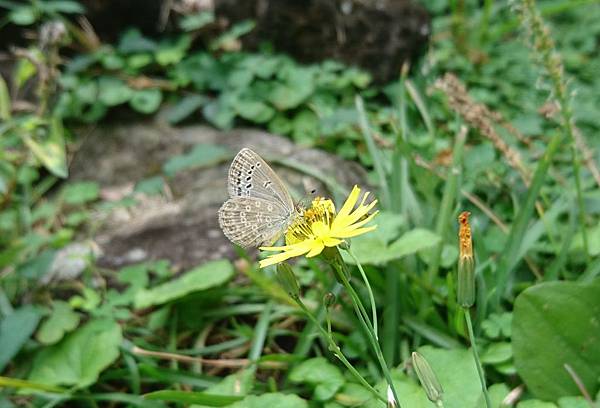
<point>95,344</point>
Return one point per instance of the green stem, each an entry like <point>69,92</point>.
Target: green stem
<point>337,351</point>
<point>488,401</point>
<point>363,318</point>
<point>368,285</point>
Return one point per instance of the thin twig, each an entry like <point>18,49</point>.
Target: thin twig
<point>229,363</point>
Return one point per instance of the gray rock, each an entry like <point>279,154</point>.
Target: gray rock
<point>181,224</point>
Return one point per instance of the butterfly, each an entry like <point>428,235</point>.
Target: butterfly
<point>259,208</point>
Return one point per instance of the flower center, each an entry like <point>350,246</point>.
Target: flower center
<point>315,221</point>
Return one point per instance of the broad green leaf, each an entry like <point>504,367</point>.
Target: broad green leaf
<point>202,155</point>
<point>146,100</point>
<point>254,110</point>
<point>326,378</point>
<point>62,320</point>
<point>554,324</point>
<point>171,52</point>
<point>81,192</point>
<point>497,353</point>
<point>371,249</point>
<point>133,41</point>
<point>573,402</point>
<point>203,277</point>
<point>113,91</point>
<point>50,149</point>
<point>271,400</point>
<point>237,384</point>
<point>457,374</point>
<point>5,105</point>
<point>24,15</point>
<point>80,357</point>
<point>15,330</point>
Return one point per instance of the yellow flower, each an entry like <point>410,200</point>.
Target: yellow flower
<point>319,227</point>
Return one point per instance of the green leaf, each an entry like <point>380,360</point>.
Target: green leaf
<point>62,320</point>
<point>62,6</point>
<point>196,21</point>
<point>497,325</point>
<point>171,52</point>
<point>24,15</point>
<point>186,397</point>
<point>146,100</point>
<point>254,110</point>
<point>326,378</point>
<point>49,149</point>
<point>271,400</point>
<point>371,249</point>
<point>209,275</point>
<point>113,91</point>
<point>497,353</point>
<point>81,192</point>
<point>15,330</point>
<point>184,108</point>
<point>554,324</point>
<point>80,357</point>
<point>133,41</point>
<point>151,186</point>
<point>238,384</point>
<point>202,155</point>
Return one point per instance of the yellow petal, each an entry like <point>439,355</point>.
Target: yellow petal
<point>357,215</point>
<point>354,233</point>
<point>331,242</point>
<point>316,249</point>
<point>350,202</point>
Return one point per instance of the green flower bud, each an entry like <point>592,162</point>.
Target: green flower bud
<point>288,280</point>
<point>329,300</point>
<point>465,290</point>
<point>427,377</point>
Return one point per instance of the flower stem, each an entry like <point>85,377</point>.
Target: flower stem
<point>363,318</point>
<point>336,349</point>
<point>488,402</point>
<point>368,285</point>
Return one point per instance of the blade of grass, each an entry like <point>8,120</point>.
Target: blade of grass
<point>448,202</point>
<point>373,151</point>
<point>509,256</point>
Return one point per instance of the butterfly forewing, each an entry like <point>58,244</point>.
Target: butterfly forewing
<point>251,221</point>
<point>251,176</point>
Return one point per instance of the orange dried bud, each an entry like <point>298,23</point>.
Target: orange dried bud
<point>465,288</point>
<point>464,235</point>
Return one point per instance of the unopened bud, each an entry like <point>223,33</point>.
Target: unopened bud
<point>427,377</point>
<point>329,300</point>
<point>465,290</point>
<point>288,280</point>
<point>391,401</point>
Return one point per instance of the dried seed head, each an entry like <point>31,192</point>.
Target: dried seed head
<point>465,291</point>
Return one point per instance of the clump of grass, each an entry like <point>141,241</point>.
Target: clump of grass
<point>544,51</point>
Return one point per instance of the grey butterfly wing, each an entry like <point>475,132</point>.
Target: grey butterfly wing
<point>251,176</point>
<point>252,221</point>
